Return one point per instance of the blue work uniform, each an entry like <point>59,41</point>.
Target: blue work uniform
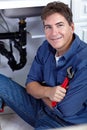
<point>73,108</point>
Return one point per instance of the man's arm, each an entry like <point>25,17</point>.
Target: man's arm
<point>46,93</point>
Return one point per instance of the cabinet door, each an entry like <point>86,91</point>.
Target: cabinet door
<point>79,9</point>
<point>81,30</point>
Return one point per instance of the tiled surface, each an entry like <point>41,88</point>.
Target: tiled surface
<point>11,121</point>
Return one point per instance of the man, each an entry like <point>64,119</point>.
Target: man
<point>61,50</point>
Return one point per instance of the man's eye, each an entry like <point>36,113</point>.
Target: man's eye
<point>60,25</point>
<point>47,27</point>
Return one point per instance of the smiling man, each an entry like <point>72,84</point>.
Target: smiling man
<point>58,32</point>
<point>61,50</point>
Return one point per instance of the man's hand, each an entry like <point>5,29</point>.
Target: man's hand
<point>56,93</point>
<point>46,93</point>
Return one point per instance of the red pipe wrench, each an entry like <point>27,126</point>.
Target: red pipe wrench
<point>70,75</point>
<point>1,106</point>
<point>2,109</point>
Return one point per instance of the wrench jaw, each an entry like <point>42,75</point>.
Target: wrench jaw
<point>70,73</point>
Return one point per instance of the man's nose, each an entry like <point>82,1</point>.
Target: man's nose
<point>54,31</point>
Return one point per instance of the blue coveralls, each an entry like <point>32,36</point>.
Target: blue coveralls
<point>72,109</point>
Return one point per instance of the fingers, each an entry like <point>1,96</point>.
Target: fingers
<point>59,94</point>
<point>58,97</point>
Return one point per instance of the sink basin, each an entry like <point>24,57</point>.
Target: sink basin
<point>22,12</point>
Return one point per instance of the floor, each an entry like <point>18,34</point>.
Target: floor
<point>9,120</point>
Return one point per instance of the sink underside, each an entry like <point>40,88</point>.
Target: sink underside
<point>22,12</point>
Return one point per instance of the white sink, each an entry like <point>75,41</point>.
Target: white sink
<point>22,12</point>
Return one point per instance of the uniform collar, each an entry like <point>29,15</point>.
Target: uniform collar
<point>71,51</point>
<point>73,48</point>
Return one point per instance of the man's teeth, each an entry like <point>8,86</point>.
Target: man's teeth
<point>57,38</point>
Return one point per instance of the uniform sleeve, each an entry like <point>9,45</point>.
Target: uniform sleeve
<point>75,100</point>
<point>36,73</point>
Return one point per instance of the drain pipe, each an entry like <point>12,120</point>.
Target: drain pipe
<point>19,39</point>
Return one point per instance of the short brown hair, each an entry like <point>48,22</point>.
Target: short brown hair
<point>57,7</point>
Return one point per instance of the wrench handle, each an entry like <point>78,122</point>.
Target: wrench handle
<point>63,85</point>
<point>2,109</point>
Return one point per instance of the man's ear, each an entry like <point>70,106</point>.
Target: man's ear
<point>72,27</point>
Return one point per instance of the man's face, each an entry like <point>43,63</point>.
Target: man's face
<point>58,32</point>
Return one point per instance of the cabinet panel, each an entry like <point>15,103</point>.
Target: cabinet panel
<point>81,30</point>
<point>79,9</point>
